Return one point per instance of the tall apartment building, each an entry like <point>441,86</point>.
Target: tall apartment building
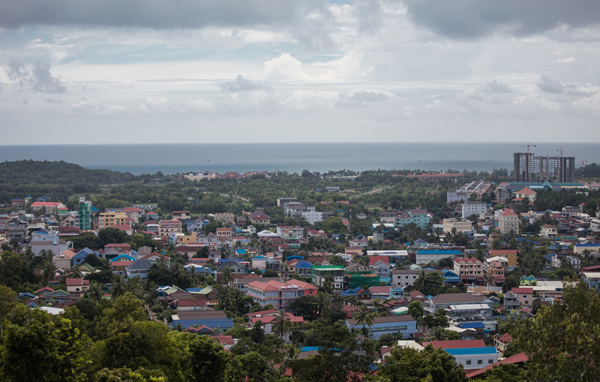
<point>419,216</point>
<point>531,168</point>
<point>508,221</point>
<point>85,214</point>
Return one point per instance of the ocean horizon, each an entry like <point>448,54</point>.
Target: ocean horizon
<point>294,157</point>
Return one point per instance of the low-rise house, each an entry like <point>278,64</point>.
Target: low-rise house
<point>471,354</point>
<point>510,254</point>
<point>592,278</point>
<point>502,341</point>
<point>77,285</point>
<point>404,324</point>
<point>63,259</point>
<point>214,319</point>
<point>181,215</point>
<point>427,256</point>
<point>319,276</point>
<point>267,321</point>
<point>166,227</point>
<point>524,296</point>
<point>259,217</point>
<point>380,265</point>
<point>139,268</point>
<point>433,304</point>
<point>279,294</point>
<point>382,292</point>
<point>549,231</point>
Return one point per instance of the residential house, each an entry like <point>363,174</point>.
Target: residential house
<point>80,256</point>
<point>433,255</point>
<point>433,304</point>
<point>320,273</point>
<point>181,215</point>
<point>63,259</point>
<point>501,342</point>
<point>279,294</point>
<point>471,354</point>
<point>224,216</point>
<point>404,324</point>
<point>380,265</point>
<point>259,217</point>
<point>450,224</point>
<point>418,216</point>
<point>526,193</point>
<point>214,319</point>
<point>549,231</point>
<point>510,254</point>
<point>593,279</point>
<point>224,234</point>
<point>139,268</point>
<point>469,269</point>
<point>77,285</point>
<point>166,227</point>
<point>495,270</point>
<point>111,219</point>
<point>524,296</point>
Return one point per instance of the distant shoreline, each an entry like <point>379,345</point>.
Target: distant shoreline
<point>293,157</point>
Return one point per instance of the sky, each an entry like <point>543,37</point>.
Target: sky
<point>189,71</point>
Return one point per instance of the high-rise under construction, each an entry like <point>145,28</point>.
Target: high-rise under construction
<point>532,168</point>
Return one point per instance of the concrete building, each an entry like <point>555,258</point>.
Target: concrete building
<point>468,269</point>
<point>418,216</point>
<point>426,256</point>
<point>319,275</point>
<point>166,227</point>
<point>526,193</point>
<point>473,208</point>
<point>111,219</point>
<point>279,294</point>
<point>461,226</point>
<point>508,221</point>
<point>406,278</point>
<point>528,168</point>
<point>84,214</point>
<point>471,354</point>
<point>457,196</point>
<point>404,324</point>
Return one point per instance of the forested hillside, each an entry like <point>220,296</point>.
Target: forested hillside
<point>57,179</point>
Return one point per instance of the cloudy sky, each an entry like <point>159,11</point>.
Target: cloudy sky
<point>155,71</point>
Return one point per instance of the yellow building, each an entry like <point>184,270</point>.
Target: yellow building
<point>189,238</point>
<point>526,193</point>
<point>111,219</point>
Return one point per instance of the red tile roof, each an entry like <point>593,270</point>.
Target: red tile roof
<point>456,344</point>
<point>77,281</point>
<point>518,358</point>
<point>505,338</point>
<point>522,290</point>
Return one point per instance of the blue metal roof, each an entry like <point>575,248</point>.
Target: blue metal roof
<point>469,351</point>
<point>440,252</point>
<point>472,325</point>
<point>224,323</point>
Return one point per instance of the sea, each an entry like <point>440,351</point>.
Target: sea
<point>295,157</point>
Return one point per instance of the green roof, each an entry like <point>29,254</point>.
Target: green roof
<point>328,267</point>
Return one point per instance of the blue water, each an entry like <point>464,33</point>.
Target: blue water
<point>293,157</point>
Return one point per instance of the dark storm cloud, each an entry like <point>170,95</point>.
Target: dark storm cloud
<point>497,87</point>
<point>40,79</point>
<point>477,18</point>
<point>158,14</point>
<point>550,85</point>
<point>241,84</point>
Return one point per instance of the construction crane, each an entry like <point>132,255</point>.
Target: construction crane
<point>528,145</point>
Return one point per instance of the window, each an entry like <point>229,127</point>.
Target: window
<point>468,362</point>
<point>490,361</point>
<point>479,361</point>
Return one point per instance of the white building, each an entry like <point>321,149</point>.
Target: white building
<point>313,216</point>
<point>473,208</point>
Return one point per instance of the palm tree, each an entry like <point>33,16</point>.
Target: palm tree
<point>95,292</point>
<point>438,334</point>
<point>118,286</point>
<point>49,272</point>
<point>227,275</point>
<point>322,302</point>
<point>290,354</point>
<point>193,277</point>
<point>363,317</point>
<point>281,324</point>
<point>227,297</point>
<point>178,271</point>
<point>421,281</point>
<point>76,272</point>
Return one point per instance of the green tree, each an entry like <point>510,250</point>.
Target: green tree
<point>363,317</point>
<point>56,350</point>
<point>117,287</point>
<point>415,309</point>
<point>208,360</point>
<point>112,235</point>
<point>410,365</point>
<point>563,337</point>
<point>281,324</point>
